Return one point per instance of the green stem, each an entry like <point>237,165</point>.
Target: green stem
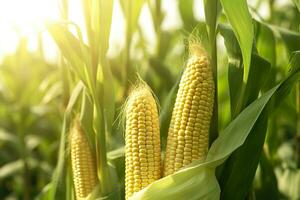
<point>103,170</point>
<point>23,155</point>
<point>156,17</point>
<point>20,123</point>
<point>212,23</point>
<point>64,12</point>
<point>214,128</point>
<point>271,7</point>
<point>127,69</point>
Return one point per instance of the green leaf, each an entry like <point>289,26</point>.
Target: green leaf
<point>294,68</point>
<point>297,2</point>
<point>86,117</point>
<point>50,191</point>
<point>166,112</point>
<point>231,43</point>
<point>6,136</point>
<point>101,23</point>
<point>235,67</point>
<point>72,49</point>
<point>258,75</point>
<point>241,21</point>
<point>162,70</point>
<point>74,97</point>
<point>53,92</point>
<point>258,72</point>
<point>117,158</point>
<point>186,9</point>
<point>11,169</point>
<point>266,185</point>
<point>104,105</point>
<point>66,41</point>
<point>131,10</point>
<point>212,10</point>
<point>235,81</point>
<point>239,160</point>
<point>265,43</point>
<point>16,167</point>
<point>290,38</point>
<point>108,98</point>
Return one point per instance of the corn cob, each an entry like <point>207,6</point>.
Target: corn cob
<point>189,127</point>
<point>143,158</point>
<point>83,166</point>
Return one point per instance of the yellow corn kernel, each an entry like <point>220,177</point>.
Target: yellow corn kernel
<point>189,127</point>
<point>142,141</point>
<point>83,163</point>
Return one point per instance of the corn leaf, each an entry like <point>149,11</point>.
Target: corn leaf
<point>235,67</point>
<point>7,137</point>
<point>240,19</point>
<point>117,159</point>
<point>107,98</point>
<point>297,2</point>
<point>231,42</point>
<point>11,168</point>
<point>58,173</point>
<point>252,147</point>
<point>66,41</point>
<point>131,10</point>
<point>290,38</point>
<point>101,23</point>
<point>212,12</point>
<point>166,113</point>
<point>86,117</point>
<point>186,9</point>
<point>265,43</point>
<point>240,160</point>
<point>258,74</point>
<point>74,97</point>
<point>267,186</point>
<point>72,49</point>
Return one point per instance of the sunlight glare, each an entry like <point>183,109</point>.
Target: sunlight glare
<point>27,16</point>
<point>24,18</point>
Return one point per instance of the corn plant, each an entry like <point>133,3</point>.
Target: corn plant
<point>209,109</point>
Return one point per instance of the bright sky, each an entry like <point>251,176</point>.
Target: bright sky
<point>27,18</point>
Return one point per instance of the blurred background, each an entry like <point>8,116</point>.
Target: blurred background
<point>33,93</point>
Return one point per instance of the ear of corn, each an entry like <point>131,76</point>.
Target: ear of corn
<point>189,127</point>
<point>83,164</point>
<point>143,158</point>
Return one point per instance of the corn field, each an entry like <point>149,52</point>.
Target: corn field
<point>153,100</point>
